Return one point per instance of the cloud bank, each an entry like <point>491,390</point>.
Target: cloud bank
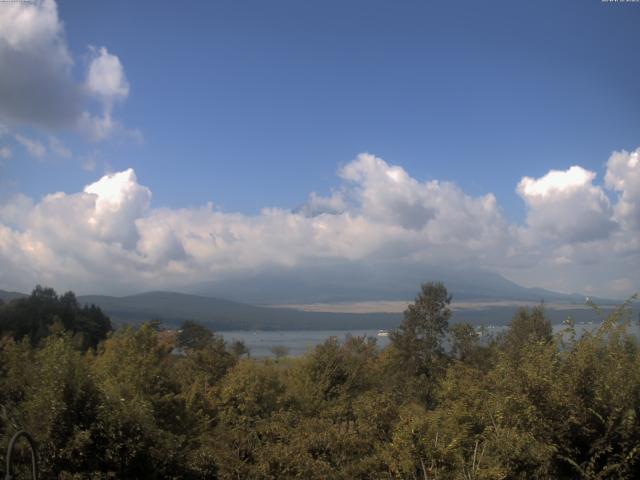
<point>109,238</point>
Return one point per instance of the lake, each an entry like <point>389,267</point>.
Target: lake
<point>296,341</point>
<point>300,341</point>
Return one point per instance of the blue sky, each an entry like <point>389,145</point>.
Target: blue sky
<point>251,104</point>
<point>257,104</point>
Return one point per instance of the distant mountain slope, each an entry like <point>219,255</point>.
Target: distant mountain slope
<point>172,308</point>
<point>329,284</point>
<point>349,282</point>
<point>8,296</point>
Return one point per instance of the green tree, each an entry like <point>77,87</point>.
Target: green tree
<point>143,424</point>
<point>464,341</point>
<point>418,342</point>
<point>33,317</point>
<point>238,348</point>
<point>200,370</point>
<point>528,326</point>
<point>192,335</point>
<point>57,401</point>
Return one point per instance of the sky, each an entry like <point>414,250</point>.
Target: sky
<point>149,145</point>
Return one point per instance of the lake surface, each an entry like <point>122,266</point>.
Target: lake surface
<point>298,342</point>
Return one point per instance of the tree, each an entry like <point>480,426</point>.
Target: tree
<point>526,327</point>
<point>200,369</point>
<point>418,340</point>
<point>34,316</point>
<point>143,424</point>
<point>192,335</point>
<point>464,341</point>
<point>238,348</point>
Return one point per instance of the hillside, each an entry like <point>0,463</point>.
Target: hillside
<point>8,296</point>
<point>172,308</point>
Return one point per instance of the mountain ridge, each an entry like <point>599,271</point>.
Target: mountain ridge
<point>172,308</point>
<point>220,314</point>
<point>349,282</point>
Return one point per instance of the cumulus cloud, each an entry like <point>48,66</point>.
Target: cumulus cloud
<point>119,201</point>
<point>110,229</point>
<point>109,238</point>
<point>623,176</point>
<point>37,85</point>
<point>566,207</point>
<point>12,212</point>
<point>388,194</point>
<point>318,205</point>
<point>106,78</point>
<point>107,82</point>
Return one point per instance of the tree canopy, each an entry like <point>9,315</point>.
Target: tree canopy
<point>524,405</point>
<point>34,316</point>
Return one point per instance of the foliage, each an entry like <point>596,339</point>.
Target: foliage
<point>34,317</point>
<point>192,335</point>
<point>418,358</point>
<point>439,403</point>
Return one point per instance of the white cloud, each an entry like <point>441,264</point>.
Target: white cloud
<point>105,76</point>
<point>623,176</point>
<point>34,148</point>
<point>119,201</point>
<point>107,82</point>
<point>108,238</point>
<point>438,213</point>
<point>37,85</point>
<point>159,243</point>
<point>98,127</point>
<point>556,182</point>
<point>566,207</point>
<point>12,212</point>
<point>318,205</point>
<point>388,194</point>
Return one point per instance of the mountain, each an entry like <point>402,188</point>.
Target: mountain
<point>492,297</point>
<point>352,282</point>
<point>172,308</point>
<point>8,296</point>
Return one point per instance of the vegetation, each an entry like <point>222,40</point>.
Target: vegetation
<point>42,312</point>
<point>440,402</point>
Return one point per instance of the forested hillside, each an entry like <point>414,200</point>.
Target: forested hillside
<point>524,405</point>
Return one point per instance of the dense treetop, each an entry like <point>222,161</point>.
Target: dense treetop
<point>35,316</point>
